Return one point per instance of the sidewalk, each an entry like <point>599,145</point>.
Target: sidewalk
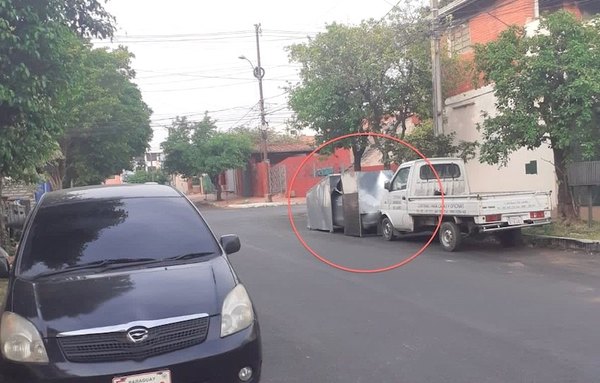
<point>564,243</point>
<point>235,202</point>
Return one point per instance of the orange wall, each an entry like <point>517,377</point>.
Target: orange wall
<point>486,27</point>
<point>116,180</point>
<point>340,160</point>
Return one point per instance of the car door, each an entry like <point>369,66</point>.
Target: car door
<point>398,203</point>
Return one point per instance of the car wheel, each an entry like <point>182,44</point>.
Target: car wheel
<point>387,229</point>
<point>450,236</point>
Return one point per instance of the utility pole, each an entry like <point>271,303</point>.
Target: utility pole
<point>436,70</point>
<point>259,73</point>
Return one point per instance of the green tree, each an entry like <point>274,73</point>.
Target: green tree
<point>548,93</point>
<point>35,37</point>
<point>142,176</point>
<point>353,78</point>
<point>197,148</point>
<point>105,121</point>
<point>423,138</point>
<point>222,151</point>
<point>179,156</point>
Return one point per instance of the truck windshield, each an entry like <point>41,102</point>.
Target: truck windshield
<point>87,232</point>
<point>401,179</point>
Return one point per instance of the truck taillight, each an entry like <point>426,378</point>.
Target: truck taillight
<point>536,214</point>
<point>493,218</point>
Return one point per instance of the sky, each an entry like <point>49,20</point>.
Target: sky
<point>187,53</point>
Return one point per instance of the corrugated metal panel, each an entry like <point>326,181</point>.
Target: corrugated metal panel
<point>584,173</point>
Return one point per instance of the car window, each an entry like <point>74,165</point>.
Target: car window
<point>88,231</point>
<point>444,171</point>
<point>401,179</point>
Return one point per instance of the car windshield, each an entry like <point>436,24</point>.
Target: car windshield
<point>70,235</point>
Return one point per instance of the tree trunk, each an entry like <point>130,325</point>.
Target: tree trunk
<point>357,153</point>
<point>215,181</point>
<point>566,205</point>
<point>56,173</point>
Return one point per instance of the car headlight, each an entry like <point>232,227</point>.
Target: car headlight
<point>237,313</point>
<point>20,340</point>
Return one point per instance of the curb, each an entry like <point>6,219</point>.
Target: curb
<point>246,205</point>
<point>564,243</point>
<point>260,204</point>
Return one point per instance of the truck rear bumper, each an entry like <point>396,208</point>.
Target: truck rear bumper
<point>500,226</point>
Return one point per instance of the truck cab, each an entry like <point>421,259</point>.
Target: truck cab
<point>417,179</point>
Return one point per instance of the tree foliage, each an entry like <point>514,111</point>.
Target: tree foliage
<point>353,78</point>
<point>105,122</point>
<point>423,139</point>
<point>548,93</point>
<point>179,158</point>
<point>141,176</point>
<point>35,38</point>
<point>196,148</point>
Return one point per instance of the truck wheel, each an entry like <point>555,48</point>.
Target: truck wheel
<point>387,229</point>
<point>510,238</point>
<point>450,236</point>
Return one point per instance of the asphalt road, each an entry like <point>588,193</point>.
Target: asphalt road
<point>483,315</point>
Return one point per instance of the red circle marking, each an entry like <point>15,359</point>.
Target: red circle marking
<point>350,269</point>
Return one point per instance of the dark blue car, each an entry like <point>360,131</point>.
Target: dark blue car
<point>124,284</point>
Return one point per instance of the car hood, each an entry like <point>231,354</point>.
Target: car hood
<point>124,296</point>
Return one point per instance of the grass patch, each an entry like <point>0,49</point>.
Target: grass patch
<point>579,230</point>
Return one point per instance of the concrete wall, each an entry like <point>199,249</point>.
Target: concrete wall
<point>463,113</point>
<point>583,213</point>
<point>339,160</point>
<point>180,184</point>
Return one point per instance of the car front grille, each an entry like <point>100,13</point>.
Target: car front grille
<point>115,346</point>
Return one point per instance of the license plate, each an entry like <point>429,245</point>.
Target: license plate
<point>149,377</point>
<point>515,220</point>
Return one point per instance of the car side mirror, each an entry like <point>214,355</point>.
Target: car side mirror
<point>231,243</point>
<point>387,185</point>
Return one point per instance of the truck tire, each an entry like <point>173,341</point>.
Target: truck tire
<point>387,229</point>
<point>510,238</point>
<point>450,236</point>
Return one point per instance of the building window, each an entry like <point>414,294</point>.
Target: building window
<point>459,39</point>
<point>531,167</point>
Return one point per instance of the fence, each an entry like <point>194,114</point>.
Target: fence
<point>278,178</point>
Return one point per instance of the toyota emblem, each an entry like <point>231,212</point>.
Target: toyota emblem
<point>137,334</point>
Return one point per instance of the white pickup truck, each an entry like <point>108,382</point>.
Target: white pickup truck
<point>412,203</point>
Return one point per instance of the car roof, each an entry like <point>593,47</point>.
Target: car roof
<point>102,192</point>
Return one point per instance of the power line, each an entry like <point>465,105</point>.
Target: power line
<point>244,116</point>
<point>191,38</point>
<point>198,88</point>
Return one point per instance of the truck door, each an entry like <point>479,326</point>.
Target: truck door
<point>398,204</point>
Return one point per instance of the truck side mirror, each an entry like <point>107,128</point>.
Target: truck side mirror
<point>387,185</point>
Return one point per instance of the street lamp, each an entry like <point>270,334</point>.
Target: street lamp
<point>259,73</point>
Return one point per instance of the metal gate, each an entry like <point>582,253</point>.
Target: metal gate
<point>277,175</point>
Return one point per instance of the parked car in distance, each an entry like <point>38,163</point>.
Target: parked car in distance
<point>124,284</point>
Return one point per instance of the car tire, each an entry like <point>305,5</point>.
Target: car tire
<point>387,229</point>
<point>450,236</point>
<point>510,238</point>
